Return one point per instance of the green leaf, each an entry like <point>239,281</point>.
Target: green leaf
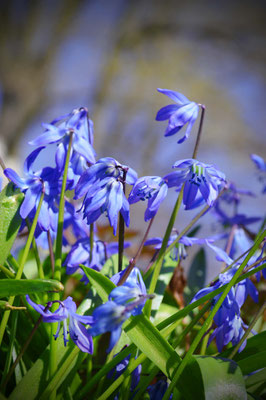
<point>110,267</point>
<point>34,382</point>
<point>196,275</point>
<point>163,280</point>
<point>101,283</point>
<point>214,379</point>
<point>12,287</point>
<point>10,220</point>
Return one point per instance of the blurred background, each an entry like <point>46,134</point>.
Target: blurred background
<point>110,56</point>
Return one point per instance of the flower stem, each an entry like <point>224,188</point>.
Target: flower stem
<point>121,237</point>
<point>133,261</point>
<point>158,263</point>
<point>58,264</point>
<point>51,251</point>
<point>199,131</point>
<point>21,266</point>
<point>208,320</point>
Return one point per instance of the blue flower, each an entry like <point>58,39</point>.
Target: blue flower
<point>67,310</point>
<point>119,370</point>
<point>47,181</point>
<point>152,188</point>
<point>80,254</point>
<point>109,317</point>
<point>197,177</point>
<point>132,292</point>
<point>179,251</point>
<point>229,331</point>
<point>261,165</point>
<point>124,301</point>
<point>105,167</point>
<point>103,185</point>
<point>59,130</point>
<point>180,114</point>
<point>227,319</point>
<point>77,124</point>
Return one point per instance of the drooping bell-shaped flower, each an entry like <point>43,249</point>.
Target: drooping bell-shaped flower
<point>198,178</point>
<point>103,187</point>
<point>179,114</point>
<point>67,310</point>
<point>151,188</point>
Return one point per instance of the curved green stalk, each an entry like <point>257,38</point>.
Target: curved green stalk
<point>21,266</point>
<point>159,261</point>
<point>58,264</point>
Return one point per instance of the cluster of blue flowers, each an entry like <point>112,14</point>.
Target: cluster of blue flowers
<point>102,186</point>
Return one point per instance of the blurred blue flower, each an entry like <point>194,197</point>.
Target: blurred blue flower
<point>228,321</point>
<point>151,188</point>
<point>119,370</point>
<point>47,181</point>
<point>58,131</point>
<point>180,114</point>
<point>261,165</point>
<point>109,317</point>
<point>230,331</point>
<point>197,177</point>
<point>67,310</point>
<point>179,251</point>
<point>80,254</point>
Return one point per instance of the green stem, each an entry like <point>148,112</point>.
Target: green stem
<point>58,264</point>
<point>91,240</point>
<point>21,266</point>
<point>37,258</point>
<point>191,325</point>
<point>207,322</point>
<point>158,263</point>
<point>132,262</point>
<point>244,337</point>
<point>51,251</point>
<point>7,272</point>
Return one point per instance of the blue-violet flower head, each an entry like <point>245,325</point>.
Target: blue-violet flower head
<point>180,114</point>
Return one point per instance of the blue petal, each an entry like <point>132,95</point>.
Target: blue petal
<point>179,98</point>
<point>115,335</point>
<point>51,135</point>
<point>60,157</point>
<point>30,201</point>
<point>166,112</point>
<point>30,160</point>
<point>80,336</point>
<point>190,192</point>
<point>13,176</point>
<point>82,147</point>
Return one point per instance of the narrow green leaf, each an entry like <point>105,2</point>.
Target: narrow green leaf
<point>11,287</point>
<point>110,267</point>
<point>10,220</point>
<point>101,283</point>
